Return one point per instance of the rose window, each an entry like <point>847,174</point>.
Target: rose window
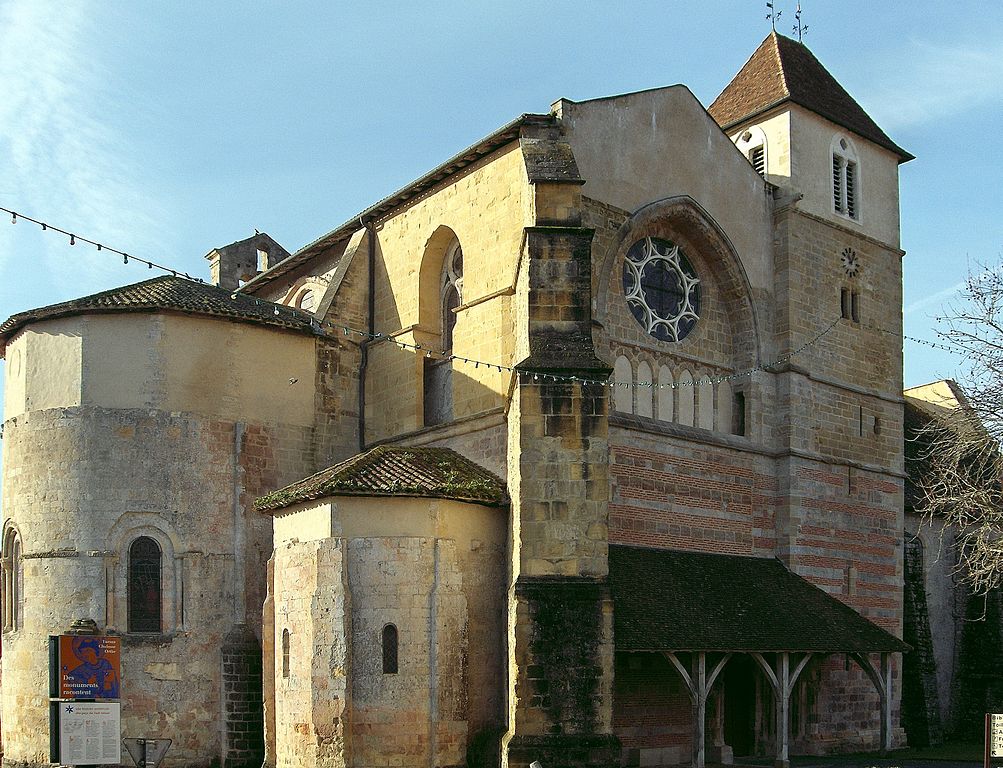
<point>662,289</point>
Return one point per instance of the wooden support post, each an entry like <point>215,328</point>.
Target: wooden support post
<point>883,683</point>
<point>886,703</point>
<point>699,677</point>
<point>783,710</point>
<point>698,684</point>
<point>782,681</point>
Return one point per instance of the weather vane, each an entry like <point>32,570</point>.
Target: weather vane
<point>799,29</point>
<point>773,16</point>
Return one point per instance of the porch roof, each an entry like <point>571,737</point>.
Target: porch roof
<point>668,600</point>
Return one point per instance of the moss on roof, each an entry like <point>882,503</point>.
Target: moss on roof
<point>393,471</point>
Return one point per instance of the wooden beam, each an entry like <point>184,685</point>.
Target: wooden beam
<point>883,683</point>
<point>698,685</point>
<point>782,680</point>
<point>671,656</point>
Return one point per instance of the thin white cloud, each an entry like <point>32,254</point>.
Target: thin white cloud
<point>61,159</point>
<point>940,79</point>
<point>937,298</point>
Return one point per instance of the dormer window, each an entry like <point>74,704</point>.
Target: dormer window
<point>845,180</point>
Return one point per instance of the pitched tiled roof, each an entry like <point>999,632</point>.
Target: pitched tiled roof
<point>782,70</point>
<point>392,471</point>
<point>666,600</point>
<point>167,293</point>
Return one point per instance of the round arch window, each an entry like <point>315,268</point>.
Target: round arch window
<point>662,289</point>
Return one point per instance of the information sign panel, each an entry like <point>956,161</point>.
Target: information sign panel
<point>89,667</point>
<point>89,733</point>
<point>995,735</point>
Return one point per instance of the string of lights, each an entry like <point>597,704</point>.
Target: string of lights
<point>348,331</point>
<point>74,239</point>
<point>924,342</point>
<point>545,376</point>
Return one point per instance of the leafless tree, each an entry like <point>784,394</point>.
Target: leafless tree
<point>958,468</point>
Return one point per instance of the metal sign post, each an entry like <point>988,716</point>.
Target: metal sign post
<point>147,753</point>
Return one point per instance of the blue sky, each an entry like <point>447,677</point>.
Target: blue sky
<point>167,129</point>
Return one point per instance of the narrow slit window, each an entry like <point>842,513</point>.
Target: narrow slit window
<point>145,592</point>
<point>285,653</point>
<point>855,306</point>
<point>844,303</point>
<point>390,649</point>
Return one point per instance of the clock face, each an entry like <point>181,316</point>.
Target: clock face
<point>661,288</point>
<point>850,261</point>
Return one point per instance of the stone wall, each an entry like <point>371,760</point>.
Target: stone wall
<point>83,481</point>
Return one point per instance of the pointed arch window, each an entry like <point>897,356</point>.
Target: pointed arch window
<point>438,378</point>
<point>13,581</point>
<point>145,586</point>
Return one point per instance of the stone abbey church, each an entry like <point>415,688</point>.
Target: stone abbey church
<point>586,447</point>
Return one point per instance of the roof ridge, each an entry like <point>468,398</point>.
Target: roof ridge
<point>389,470</point>
<point>775,38</point>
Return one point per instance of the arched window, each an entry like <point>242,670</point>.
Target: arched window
<point>285,653</point>
<point>390,649</point>
<point>13,581</point>
<point>438,378</point>
<point>307,300</point>
<point>144,586</point>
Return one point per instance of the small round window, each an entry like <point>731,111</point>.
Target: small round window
<point>662,289</point>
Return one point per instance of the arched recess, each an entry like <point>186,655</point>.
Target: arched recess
<point>684,390</point>
<point>682,219</point>
<point>724,412</point>
<point>13,578</point>
<point>665,393</point>
<point>440,292</point>
<point>705,403</point>
<point>644,391</point>
<point>623,392</point>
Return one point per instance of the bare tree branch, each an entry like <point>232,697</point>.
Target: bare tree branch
<point>956,462</point>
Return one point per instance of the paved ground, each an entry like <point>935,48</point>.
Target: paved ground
<point>859,761</point>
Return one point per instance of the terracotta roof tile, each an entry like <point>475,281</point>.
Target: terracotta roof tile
<point>167,293</point>
<point>392,471</point>
<point>782,70</point>
<point>667,600</point>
